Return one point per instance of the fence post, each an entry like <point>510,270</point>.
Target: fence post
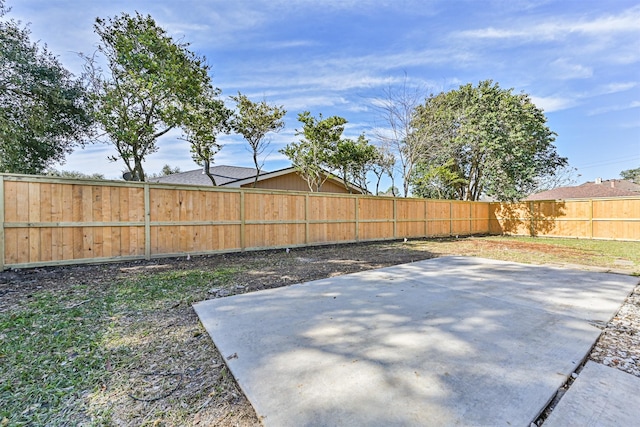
<point>450,218</point>
<point>357,212</point>
<point>147,222</point>
<point>306,218</point>
<point>395,218</point>
<point>426,218</point>
<point>532,224</point>
<point>242,221</point>
<point>591,218</point>
<point>1,223</point>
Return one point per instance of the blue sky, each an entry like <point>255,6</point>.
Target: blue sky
<point>578,59</point>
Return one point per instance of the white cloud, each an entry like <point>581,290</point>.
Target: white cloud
<point>565,69</point>
<point>342,73</point>
<point>550,103</point>
<point>560,28</point>
<point>613,108</point>
<point>616,87</point>
<point>288,44</point>
<point>312,101</point>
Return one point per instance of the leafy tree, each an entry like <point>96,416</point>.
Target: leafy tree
<point>632,175</point>
<point>384,164</point>
<point>353,160</point>
<point>484,140</point>
<point>436,181</point>
<point>311,156</point>
<point>43,109</point>
<point>205,119</point>
<point>165,171</point>
<point>168,170</point>
<point>391,191</point>
<point>73,174</point>
<point>253,120</point>
<point>323,151</point>
<point>150,84</point>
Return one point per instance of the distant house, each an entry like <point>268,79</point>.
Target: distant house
<point>241,177</point>
<point>591,190</point>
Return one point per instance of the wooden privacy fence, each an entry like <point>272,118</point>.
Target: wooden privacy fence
<point>45,221</point>
<point>610,219</point>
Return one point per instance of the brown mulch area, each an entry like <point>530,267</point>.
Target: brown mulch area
<point>263,269</point>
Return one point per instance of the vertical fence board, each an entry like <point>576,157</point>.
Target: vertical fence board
<point>10,201</point>
<point>11,247</point>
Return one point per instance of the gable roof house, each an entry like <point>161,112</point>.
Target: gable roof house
<point>241,177</point>
<point>591,190</point>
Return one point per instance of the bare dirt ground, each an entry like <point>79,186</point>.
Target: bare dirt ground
<point>207,394</point>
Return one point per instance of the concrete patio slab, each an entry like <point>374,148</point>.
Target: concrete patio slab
<point>600,397</point>
<point>447,341</point>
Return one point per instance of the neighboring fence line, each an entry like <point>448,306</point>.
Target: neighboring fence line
<point>57,221</point>
<point>601,218</point>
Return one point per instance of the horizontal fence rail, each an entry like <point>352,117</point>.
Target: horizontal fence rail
<point>56,221</point>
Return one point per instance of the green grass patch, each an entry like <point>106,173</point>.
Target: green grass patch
<point>620,256</point>
<point>57,352</point>
<point>605,252</point>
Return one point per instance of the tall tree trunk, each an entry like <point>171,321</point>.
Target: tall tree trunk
<point>255,162</point>
<point>207,171</point>
<point>138,171</point>
<point>344,180</point>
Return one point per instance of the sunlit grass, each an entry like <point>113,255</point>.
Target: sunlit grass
<point>61,348</point>
<point>621,256</point>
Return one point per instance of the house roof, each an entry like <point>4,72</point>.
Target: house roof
<point>280,172</point>
<point>589,190</point>
<point>230,176</point>
<point>265,175</point>
<point>222,174</point>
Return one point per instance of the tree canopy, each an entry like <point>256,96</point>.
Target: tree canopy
<point>43,108</point>
<point>151,81</point>
<point>384,164</point>
<point>205,119</point>
<point>165,171</point>
<point>323,151</point>
<point>311,156</point>
<point>253,120</point>
<point>482,140</point>
<point>353,160</point>
<point>74,174</point>
<point>632,175</point>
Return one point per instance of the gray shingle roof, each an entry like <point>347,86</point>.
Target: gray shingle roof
<point>588,190</point>
<point>222,174</point>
